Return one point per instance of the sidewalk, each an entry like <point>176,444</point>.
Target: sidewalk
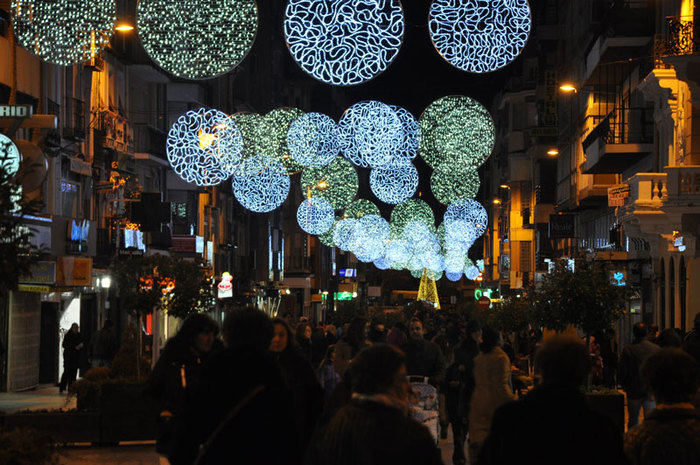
<point>43,397</point>
<point>123,455</point>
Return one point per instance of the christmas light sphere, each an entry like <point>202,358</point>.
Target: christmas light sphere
<point>313,140</point>
<point>479,38</point>
<point>467,212</point>
<point>261,184</point>
<point>416,233</point>
<point>337,182</point>
<point>411,210</point>
<point>454,262</point>
<point>382,263</point>
<point>250,125</point>
<point>10,157</point>
<point>398,251</point>
<point>64,32</point>
<point>344,232</point>
<point>197,39</point>
<point>273,137</point>
<point>326,238</point>
<point>417,273</point>
<point>315,215</point>
<point>343,42</point>
<point>472,273</point>
<point>454,277</point>
<point>434,261</point>
<point>449,183</point>
<point>434,275</point>
<point>371,132</point>
<point>204,147</point>
<point>359,208</point>
<point>370,239</point>
<point>410,138</point>
<point>457,131</point>
<point>394,183</point>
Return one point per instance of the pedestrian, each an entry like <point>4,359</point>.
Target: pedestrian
<point>691,343</point>
<point>633,356</point>
<point>397,335</point>
<point>104,346</point>
<point>72,349</point>
<point>669,337</point>
<point>423,357</point>
<point>240,411</point>
<point>452,389</point>
<point>319,346</point>
<point>464,355</point>
<point>492,388</point>
<point>350,344</point>
<point>327,375</point>
<point>553,424</point>
<point>331,334</point>
<point>608,352</point>
<point>669,435</point>
<point>375,428</point>
<point>177,373</point>
<point>303,338</point>
<point>652,332</point>
<point>299,379</point>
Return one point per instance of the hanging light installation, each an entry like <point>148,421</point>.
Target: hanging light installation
<point>10,157</point>
<point>371,132</point>
<point>337,182</point>
<point>395,182</point>
<point>359,208</point>
<point>260,184</point>
<point>313,140</point>
<point>315,215</point>
<point>451,182</point>
<point>273,137</point>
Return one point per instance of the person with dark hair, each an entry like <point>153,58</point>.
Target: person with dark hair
<point>423,357</point>
<point>103,347</point>
<point>72,348</point>
<point>350,344</point>
<point>691,343</point>
<point>608,352</point>
<point>633,356</point>
<point>327,376</point>
<point>492,388</point>
<point>669,337</point>
<point>669,435</point>
<point>240,395</point>
<point>553,423</point>
<point>303,337</point>
<point>652,332</point>
<point>375,428</point>
<point>299,378</point>
<point>319,346</point>
<point>397,335</point>
<point>177,372</point>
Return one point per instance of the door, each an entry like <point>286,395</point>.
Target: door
<point>49,349</point>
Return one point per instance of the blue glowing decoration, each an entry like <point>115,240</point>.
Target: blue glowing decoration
<point>326,238</point>
<point>411,210</point>
<point>465,213</point>
<point>344,233</point>
<point>315,215</point>
<point>394,183</point>
<point>417,272</point>
<point>313,140</point>
<point>479,36</point>
<point>344,42</point>
<point>9,156</point>
<point>454,262</point>
<point>472,272</point>
<point>370,132</point>
<point>382,263</point>
<point>261,184</point>
<point>410,139</point>
<point>370,238</point>
<point>204,147</point>
<point>454,277</point>
<point>398,251</point>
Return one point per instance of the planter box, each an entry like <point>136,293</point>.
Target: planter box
<point>126,415</point>
<point>610,405</point>
<point>62,427</point>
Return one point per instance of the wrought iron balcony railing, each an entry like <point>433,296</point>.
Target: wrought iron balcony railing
<point>624,126</point>
<point>679,38</point>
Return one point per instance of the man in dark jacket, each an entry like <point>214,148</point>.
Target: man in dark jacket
<point>553,424</point>
<point>104,346</point>
<point>72,348</point>
<point>423,358</point>
<point>670,435</point>
<point>633,356</point>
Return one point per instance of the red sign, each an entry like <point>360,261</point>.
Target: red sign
<point>484,302</point>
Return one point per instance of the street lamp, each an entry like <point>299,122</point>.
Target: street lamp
<point>553,152</point>
<point>496,201</point>
<point>124,27</point>
<point>568,88</point>
<point>504,186</point>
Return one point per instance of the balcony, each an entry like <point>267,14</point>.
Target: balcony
<point>683,187</point>
<point>678,38</point>
<point>620,139</point>
<point>149,140</point>
<point>593,189</point>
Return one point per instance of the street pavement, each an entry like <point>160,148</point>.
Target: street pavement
<point>43,397</point>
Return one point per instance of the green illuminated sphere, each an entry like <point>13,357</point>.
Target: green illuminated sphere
<point>272,140</point>
<point>64,32</point>
<point>451,182</point>
<point>417,273</point>
<point>250,125</point>
<point>359,208</point>
<point>411,210</point>
<point>197,39</point>
<point>456,130</point>
<point>327,237</point>
<point>336,182</point>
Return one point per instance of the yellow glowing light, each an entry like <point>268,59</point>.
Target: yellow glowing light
<point>567,88</point>
<point>553,152</point>
<point>505,186</point>
<point>124,27</point>
<point>496,201</point>
<point>322,185</point>
<point>205,139</point>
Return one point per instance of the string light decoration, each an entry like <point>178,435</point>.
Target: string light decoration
<point>434,275</point>
<point>359,208</point>
<point>410,138</point>
<point>204,147</point>
<point>197,39</point>
<point>250,125</point>
<point>456,130</point>
<point>313,140</point>
<point>382,263</point>
<point>449,182</point>
<point>273,137</point>
<point>260,184</point>
<point>417,272</point>
<point>337,182</point>
<point>479,38</point>
<point>344,42</point>
<point>344,232</point>
<point>371,132</point>
<point>10,157</point>
<point>465,213</point>
<point>411,210</point>
<point>371,236</point>
<point>315,215</point>
<point>394,183</point>
<point>472,273</point>
<point>454,277</point>
<point>64,32</point>
<point>326,238</point>
<point>398,251</point>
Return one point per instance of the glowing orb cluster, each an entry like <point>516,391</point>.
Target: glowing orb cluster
<point>411,210</point>
<point>64,32</point>
<point>410,138</point>
<point>273,137</point>
<point>454,277</point>
<point>369,238</point>
<point>313,140</point>
<point>10,157</point>
<point>250,125</point>
<point>204,147</point>
<point>315,215</point>
<point>260,184</point>
<point>344,42</point>
<point>394,183</point>
<point>456,130</point>
<point>371,132</point>
<point>344,233</point>
<point>198,39</point>
<point>326,238</point>
<point>478,36</point>
<point>359,208</point>
<point>465,214</point>
<point>472,272</point>
<point>337,182</point>
<point>449,183</point>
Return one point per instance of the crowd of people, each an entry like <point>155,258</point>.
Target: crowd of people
<point>273,392</point>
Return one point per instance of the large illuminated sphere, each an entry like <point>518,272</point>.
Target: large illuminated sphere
<point>315,215</point>
<point>449,183</point>
<point>456,130</point>
<point>260,184</point>
<point>466,211</point>
<point>337,182</point>
<point>434,275</point>
<point>10,157</point>
<point>250,125</point>
<point>410,139</point>
<point>313,140</point>
<point>273,137</point>
<point>382,263</point>
<point>394,183</point>
<point>344,232</point>
<point>411,210</point>
<point>472,273</point>
<point>204,147</point>
<point>326,238</point>
<point>417,272</point>
<point>398,251</point>
<point>64,32</point>
<point>454,277</point>
<point>197,39</point>
<point>478,36</point>
<point>371,237</point>
<point>371,133</point>
<point>359,208</point>
<point>344,42</point>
